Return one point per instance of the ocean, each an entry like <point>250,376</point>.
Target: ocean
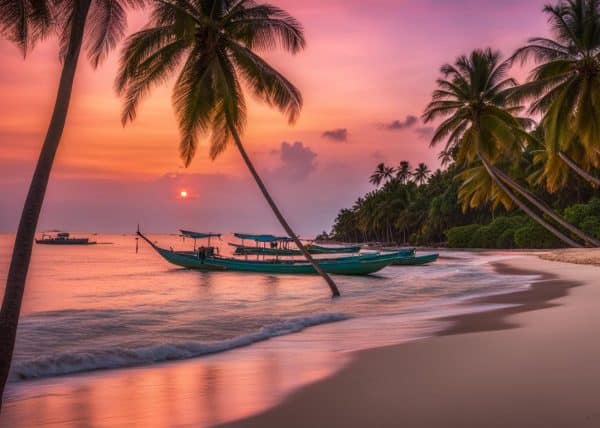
<point>89,310</point>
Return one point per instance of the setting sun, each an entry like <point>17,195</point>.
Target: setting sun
<point>183,194</point>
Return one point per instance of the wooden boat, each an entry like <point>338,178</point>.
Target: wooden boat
<point>319,249</point>
<point>263,251</point>
<point>416,260</point>
<point>279,246</point>
<point>62,238</point>
<point>207,260</point>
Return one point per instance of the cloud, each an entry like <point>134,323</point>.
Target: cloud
<point>424,132</point>
<point>396,125</point>
<point>340,134</point>
<point>298,161</point>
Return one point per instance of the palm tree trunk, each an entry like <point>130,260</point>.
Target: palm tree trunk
<point>545,209</point>
<point>19,265</point>
<point>595,181</point>
<point>334,290</point>
<point>524,207</point>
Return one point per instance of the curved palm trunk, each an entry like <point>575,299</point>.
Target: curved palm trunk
<point>19,265</point>
<point>542,207</point>
<point>334,290</point>
<point>525,208</point>
<point>583,174</point>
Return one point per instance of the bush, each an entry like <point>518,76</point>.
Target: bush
<point>591,226</point>
<point>498,234</point>
<point>575,214</point>
<point>533,235</point>
<point>460,237</point>
<point>506,239</point>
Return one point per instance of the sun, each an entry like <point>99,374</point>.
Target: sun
<point>183,194</point>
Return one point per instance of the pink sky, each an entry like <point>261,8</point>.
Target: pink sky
<point>366,64</point>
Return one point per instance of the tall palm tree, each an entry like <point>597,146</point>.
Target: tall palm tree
<point>377,176</point>
<point>421,173</point>
<point>97,23</point>
<point>445,157</point>
<point>216,41</point>
<point>565,87</point>
<point>403,172</point>
<point>480,128</point>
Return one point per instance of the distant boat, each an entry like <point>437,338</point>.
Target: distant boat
<point>205,259</point>
<point>62,238</point>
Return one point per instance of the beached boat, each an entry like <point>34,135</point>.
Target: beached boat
<point>415,260</point>
<point>62,238</point>
<point>279,246</point>
<point>206,260</point>
<point>284,251</point>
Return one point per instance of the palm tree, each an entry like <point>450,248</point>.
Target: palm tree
<point>216,41</point>
<point>377,176</point>
<point>480,128</point>
<point>445,157</point>
<point>564,87</point>
<point>24,22</point>
<point>403,172</point>
<point>388,173</point>
<point>421,173</point>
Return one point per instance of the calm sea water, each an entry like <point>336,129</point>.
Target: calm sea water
<point>104,306</point>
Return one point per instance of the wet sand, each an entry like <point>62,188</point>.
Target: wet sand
<point>512,367</point>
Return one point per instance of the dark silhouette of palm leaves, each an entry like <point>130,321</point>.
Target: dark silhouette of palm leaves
<point>24,22</point>
<point>216,41</point>
<point>421,173</point>
<point>403,172</point>
<point>565,85</point>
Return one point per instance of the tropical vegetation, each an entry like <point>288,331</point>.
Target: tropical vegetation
<point>498,159</point>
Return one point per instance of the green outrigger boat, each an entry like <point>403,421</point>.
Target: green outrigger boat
<point>206,260</point>
<point>283,251</point>
<point>415,260</point>
<point>279,246</point>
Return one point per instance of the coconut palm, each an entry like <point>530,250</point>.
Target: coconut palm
<point>480,128</point>
<point>565,87</point>
<point>377,176</point>
<point>99,24</point>
<point>216,40</point>
<point>445,157</point>
<point>24,22</point>
<point>421,174</point>
<point>403,172</point>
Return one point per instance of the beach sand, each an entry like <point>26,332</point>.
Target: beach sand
<point>512,367</point>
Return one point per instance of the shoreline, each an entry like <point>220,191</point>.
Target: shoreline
<point>318,368</point>
<point>480,371</point>
<point>540,295</point>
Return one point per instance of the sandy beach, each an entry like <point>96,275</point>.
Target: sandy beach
<point>533,365</point>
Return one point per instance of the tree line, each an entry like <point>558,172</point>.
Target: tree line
<point>503,159</point>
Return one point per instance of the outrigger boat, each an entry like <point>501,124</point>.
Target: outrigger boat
<point>415,260</point>
<point>205,259</point>
<point>278,246</point>
<point>62,238</point>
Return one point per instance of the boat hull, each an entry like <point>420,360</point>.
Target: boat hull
<point>74,241</point>
<point>312,249</point>
<point>416,260</point>
<point>358,265</point>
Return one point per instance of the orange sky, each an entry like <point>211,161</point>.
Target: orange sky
<point>367,64</point>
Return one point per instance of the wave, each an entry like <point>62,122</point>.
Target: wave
<point>101,359</point>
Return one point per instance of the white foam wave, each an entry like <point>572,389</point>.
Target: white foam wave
<point>99,359</point>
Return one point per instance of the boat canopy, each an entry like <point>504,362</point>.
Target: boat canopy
<point>199,235</point>
<point>262,238</point>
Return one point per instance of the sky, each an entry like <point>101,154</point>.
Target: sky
<point>366,76</point>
